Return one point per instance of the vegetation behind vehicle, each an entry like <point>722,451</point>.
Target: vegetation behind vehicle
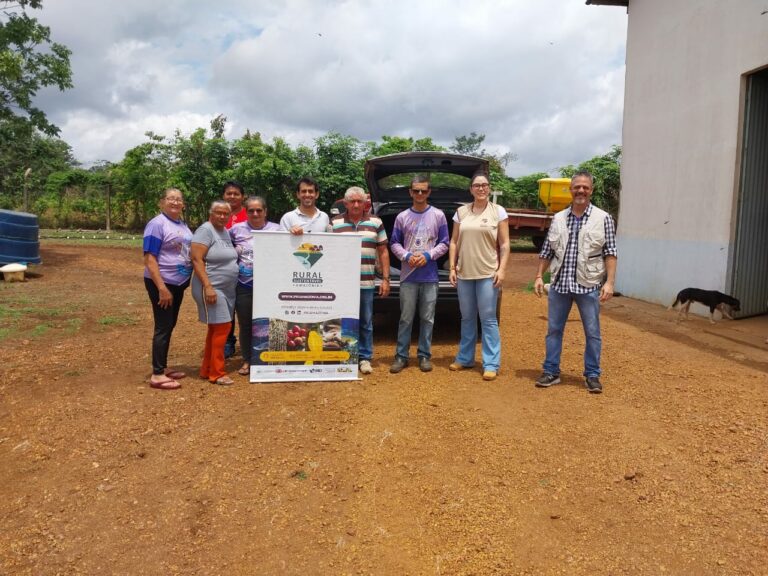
<point>64,195</point>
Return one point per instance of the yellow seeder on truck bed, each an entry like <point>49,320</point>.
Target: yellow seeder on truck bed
<point>555,193</point>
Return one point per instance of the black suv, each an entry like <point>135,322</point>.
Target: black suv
<point>389,179</point>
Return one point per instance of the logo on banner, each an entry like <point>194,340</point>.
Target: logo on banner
<point>308,254</point>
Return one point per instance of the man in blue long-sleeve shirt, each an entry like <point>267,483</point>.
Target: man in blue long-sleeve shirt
<point>419,238</point>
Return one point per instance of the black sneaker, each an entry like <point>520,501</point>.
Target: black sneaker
<point>593,385</point>
<point>398,365</point>
<point>425,364</point>
<point>546,380</point>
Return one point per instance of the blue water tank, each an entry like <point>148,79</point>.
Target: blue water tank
<point>19,237</point>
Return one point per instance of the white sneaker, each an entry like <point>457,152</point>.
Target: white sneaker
<point>365,367</point>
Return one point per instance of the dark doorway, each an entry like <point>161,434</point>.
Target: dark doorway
<point>749,277</point>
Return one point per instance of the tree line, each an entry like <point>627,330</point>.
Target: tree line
<point>64,195</point>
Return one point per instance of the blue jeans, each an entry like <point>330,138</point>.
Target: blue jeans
<point>413,295</point>
<point>365,342</point>
<point>479,297</point>
<point>589,310</point>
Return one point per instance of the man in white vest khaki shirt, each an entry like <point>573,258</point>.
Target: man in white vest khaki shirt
<point>580,252</point>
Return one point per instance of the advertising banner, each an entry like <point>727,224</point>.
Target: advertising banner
<point>306,302</point>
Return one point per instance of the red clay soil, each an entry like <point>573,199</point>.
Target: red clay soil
<point>439,473</point>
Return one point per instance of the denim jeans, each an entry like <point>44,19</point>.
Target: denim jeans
<point>413,296</point>
<point>589,310</point>
<point>365,341</point>
<point>479,297</point>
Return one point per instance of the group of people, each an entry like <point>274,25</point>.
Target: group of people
<point>580,252</point>
<point>220,254</point>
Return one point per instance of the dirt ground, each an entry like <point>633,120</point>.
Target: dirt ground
<point>440,473</point>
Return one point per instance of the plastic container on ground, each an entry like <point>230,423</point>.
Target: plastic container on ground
<point>555,193</point>
<point>19,233</point>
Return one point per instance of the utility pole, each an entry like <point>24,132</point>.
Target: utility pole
<point>27,172</point>
<point>109,201</point>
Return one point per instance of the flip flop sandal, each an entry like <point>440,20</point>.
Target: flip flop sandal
<point>244,371</point>
<point>167,384</point>
<point>176,374</point>
<point>224,381</point>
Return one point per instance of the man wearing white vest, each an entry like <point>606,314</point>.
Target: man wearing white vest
<point>580,251</point>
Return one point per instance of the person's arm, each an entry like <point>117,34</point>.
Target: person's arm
<point>609,255</point>
<point>166,298</point>
<point>441,246</point>
<point>384,261</point>
<point>237,242</point>
<point>198,253</point>
<point>453,253</point>
<point>396,242</point>
<point>538,283</point>
<point>606,292</point>
<point>296,230</point>
<point>502,237</point>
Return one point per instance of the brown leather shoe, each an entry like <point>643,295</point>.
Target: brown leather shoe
<point>489,375</point>
<point>454,366</point>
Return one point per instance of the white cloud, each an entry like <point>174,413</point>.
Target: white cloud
<point>541,78</point>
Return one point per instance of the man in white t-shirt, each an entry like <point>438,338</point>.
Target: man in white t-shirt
<point>306,217</point>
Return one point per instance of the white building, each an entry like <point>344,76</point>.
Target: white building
<point>694,200</point>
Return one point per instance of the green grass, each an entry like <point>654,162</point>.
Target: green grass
<point>91,237</point>
<point>54,312</point>
<point>11,318</point>
<point>73,325</point>
<point>521,245</point>
<point>39,330</point>
<point>8,314</point>
<point>24,317</point>
<point>116,321</point>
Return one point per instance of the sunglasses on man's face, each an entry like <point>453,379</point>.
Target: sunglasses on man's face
<point>427,191</point>
<point>255,210</point>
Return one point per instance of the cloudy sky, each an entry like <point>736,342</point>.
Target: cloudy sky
<point>543,79</point>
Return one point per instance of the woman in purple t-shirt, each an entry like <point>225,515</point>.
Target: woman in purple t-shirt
<point>167,269</point>
<point>242,238</point>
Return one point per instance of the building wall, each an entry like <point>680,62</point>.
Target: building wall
<point>681,140</point>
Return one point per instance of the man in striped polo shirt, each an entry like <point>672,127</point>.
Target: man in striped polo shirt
<point>374,242</point>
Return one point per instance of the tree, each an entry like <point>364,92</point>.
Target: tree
<point>339,166</point>
<point>469,145</point>
<point>24,150</point>
<point>201,167</point>
<point>606,170</point>
<point>525,191</point>
<point>141,176</point>
<point>396,144</point>
<point>70,200</point>
<point>270,170</point>
<point>28,61</point>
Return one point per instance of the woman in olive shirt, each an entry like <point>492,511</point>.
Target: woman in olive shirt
<point>478,255</point>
